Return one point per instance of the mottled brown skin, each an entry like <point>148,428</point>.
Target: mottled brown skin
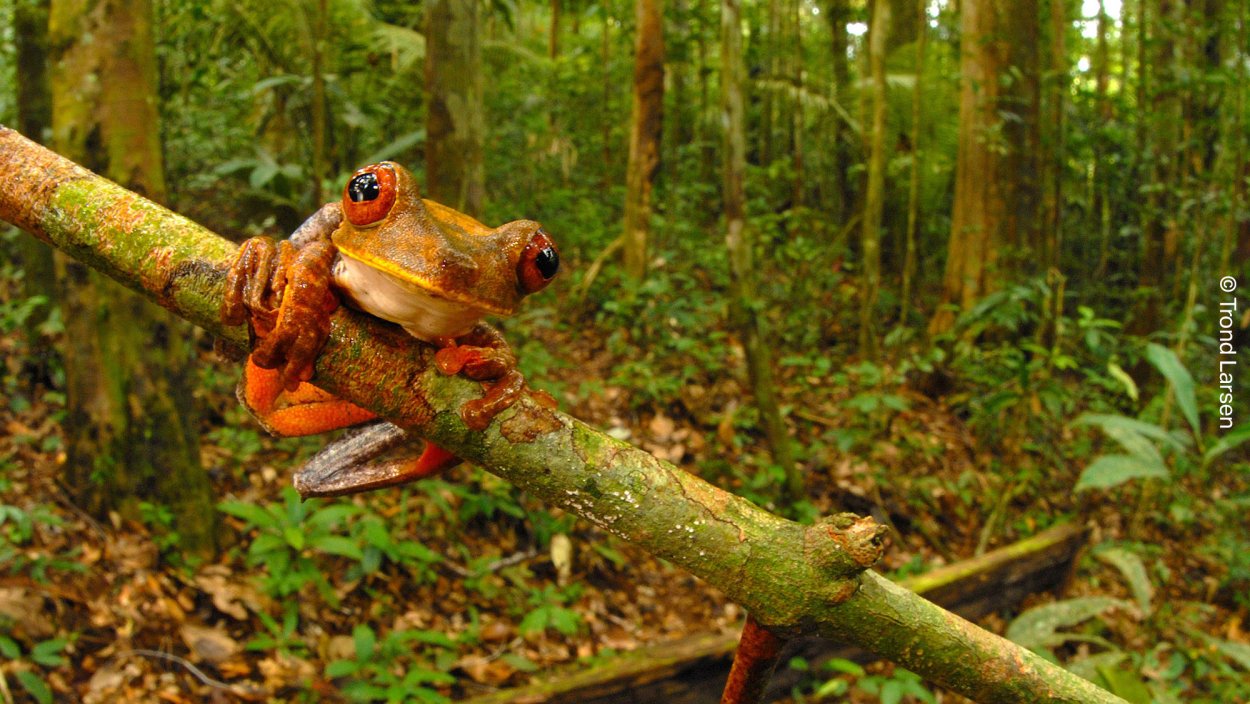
<point>386,251</point>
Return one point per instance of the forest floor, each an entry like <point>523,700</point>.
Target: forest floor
<point>497,592</point>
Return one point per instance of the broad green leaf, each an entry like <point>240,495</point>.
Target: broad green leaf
<point>1088,667</point>
<point>1170,366</point>
<point>1134,571</point>
<point>1126,685</point>
<point>338,545</point>
<point>1117,372</point>
<point>1035,626</point>
<point>48,652</point>
<point>519,662</point>
<point>1108,471</point>
<point>364,640</point>
<point>332,515</point>
<point>1237,652</point>
<point>1231,440</point>
<point>341,668</point>
<point>294,537</point>
<point>35,685</point>
<point>9,648</point>
<point>1124,425</point>
<point>253,514</point>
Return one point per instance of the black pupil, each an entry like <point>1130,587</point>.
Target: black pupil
<point>364,187</point>
<point>548,262</point>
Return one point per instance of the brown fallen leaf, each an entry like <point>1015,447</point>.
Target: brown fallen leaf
<point>208,644</point>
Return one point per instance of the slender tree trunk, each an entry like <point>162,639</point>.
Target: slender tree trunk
<point>131,430</point>
<point>840,205</point>
<point>455,121</point>
<point>1159,132</point>
<point>606,116</point>
<point>1052,196</point>
<point>905,24</point>
<point>34,118</point>
<point>1239,219</point>
<point>739,246</point>
<point>874,201</point>
<point>1101,202</point>
<point>553,34</point>
<point>645,132</point>
<point>319,167</point>
<point>798,118</point>
<point>769,47</point>
<point>913,186</point>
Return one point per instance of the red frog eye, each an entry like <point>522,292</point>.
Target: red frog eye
<point>369,195</point>
<point>540,262</point>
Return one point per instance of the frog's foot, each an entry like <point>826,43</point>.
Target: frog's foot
<point>373,456</point>
<point>285,296</point>
<point>493,365</point>
<point>305,410</point>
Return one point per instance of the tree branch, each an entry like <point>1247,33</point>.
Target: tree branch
<point>792,578</point>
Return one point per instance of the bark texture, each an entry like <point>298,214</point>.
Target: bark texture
<point>996,170</point>
<point>455,127</point>
<point>646,125</point>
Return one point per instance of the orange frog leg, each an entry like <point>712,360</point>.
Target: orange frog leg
<point>483,355</point>
<point>756,658</point>
<point>374,456</point>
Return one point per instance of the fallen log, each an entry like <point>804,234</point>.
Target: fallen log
<point>691,670</point>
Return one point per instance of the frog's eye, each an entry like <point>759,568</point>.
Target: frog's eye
<point>540,261</point>
<point>369,195</point>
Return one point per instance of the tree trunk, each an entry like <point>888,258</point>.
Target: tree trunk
<point>34,118</point>
<point>874,200</point>
<point>455,120</point>
<point>553,32</point>
<point>905,24</point>
<point>131,429</point>
<point>913,187</point>
<point>1053,154</point>
<point>319,108</point>
<point>1158,135</point>
<point>742,296</point>
<point>838,11</point>
<point>995,201</point>
<point>644,135</point>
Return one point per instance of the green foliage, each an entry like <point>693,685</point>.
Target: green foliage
<point>549,608</point>
<point>290,536</point>
<point>1146,443</point>
<point>27,664</point>
<point>384,670</point>
<point>20,527</point>
<point>837,677</point>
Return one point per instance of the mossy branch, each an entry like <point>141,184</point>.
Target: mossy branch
<point>792,578</point>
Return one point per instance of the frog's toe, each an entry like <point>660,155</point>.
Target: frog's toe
<point>500,396</point>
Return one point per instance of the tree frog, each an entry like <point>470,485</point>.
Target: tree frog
<point>388,252</point>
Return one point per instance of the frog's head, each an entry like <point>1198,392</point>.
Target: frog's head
<point>429,267</point>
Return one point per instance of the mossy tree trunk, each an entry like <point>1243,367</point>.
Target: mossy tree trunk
<point>646,124</point>
<point>455,122</point>
<point>131,428</point>
<point>34,118</point>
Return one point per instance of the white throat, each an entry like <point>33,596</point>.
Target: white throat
<point>423,314</point>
